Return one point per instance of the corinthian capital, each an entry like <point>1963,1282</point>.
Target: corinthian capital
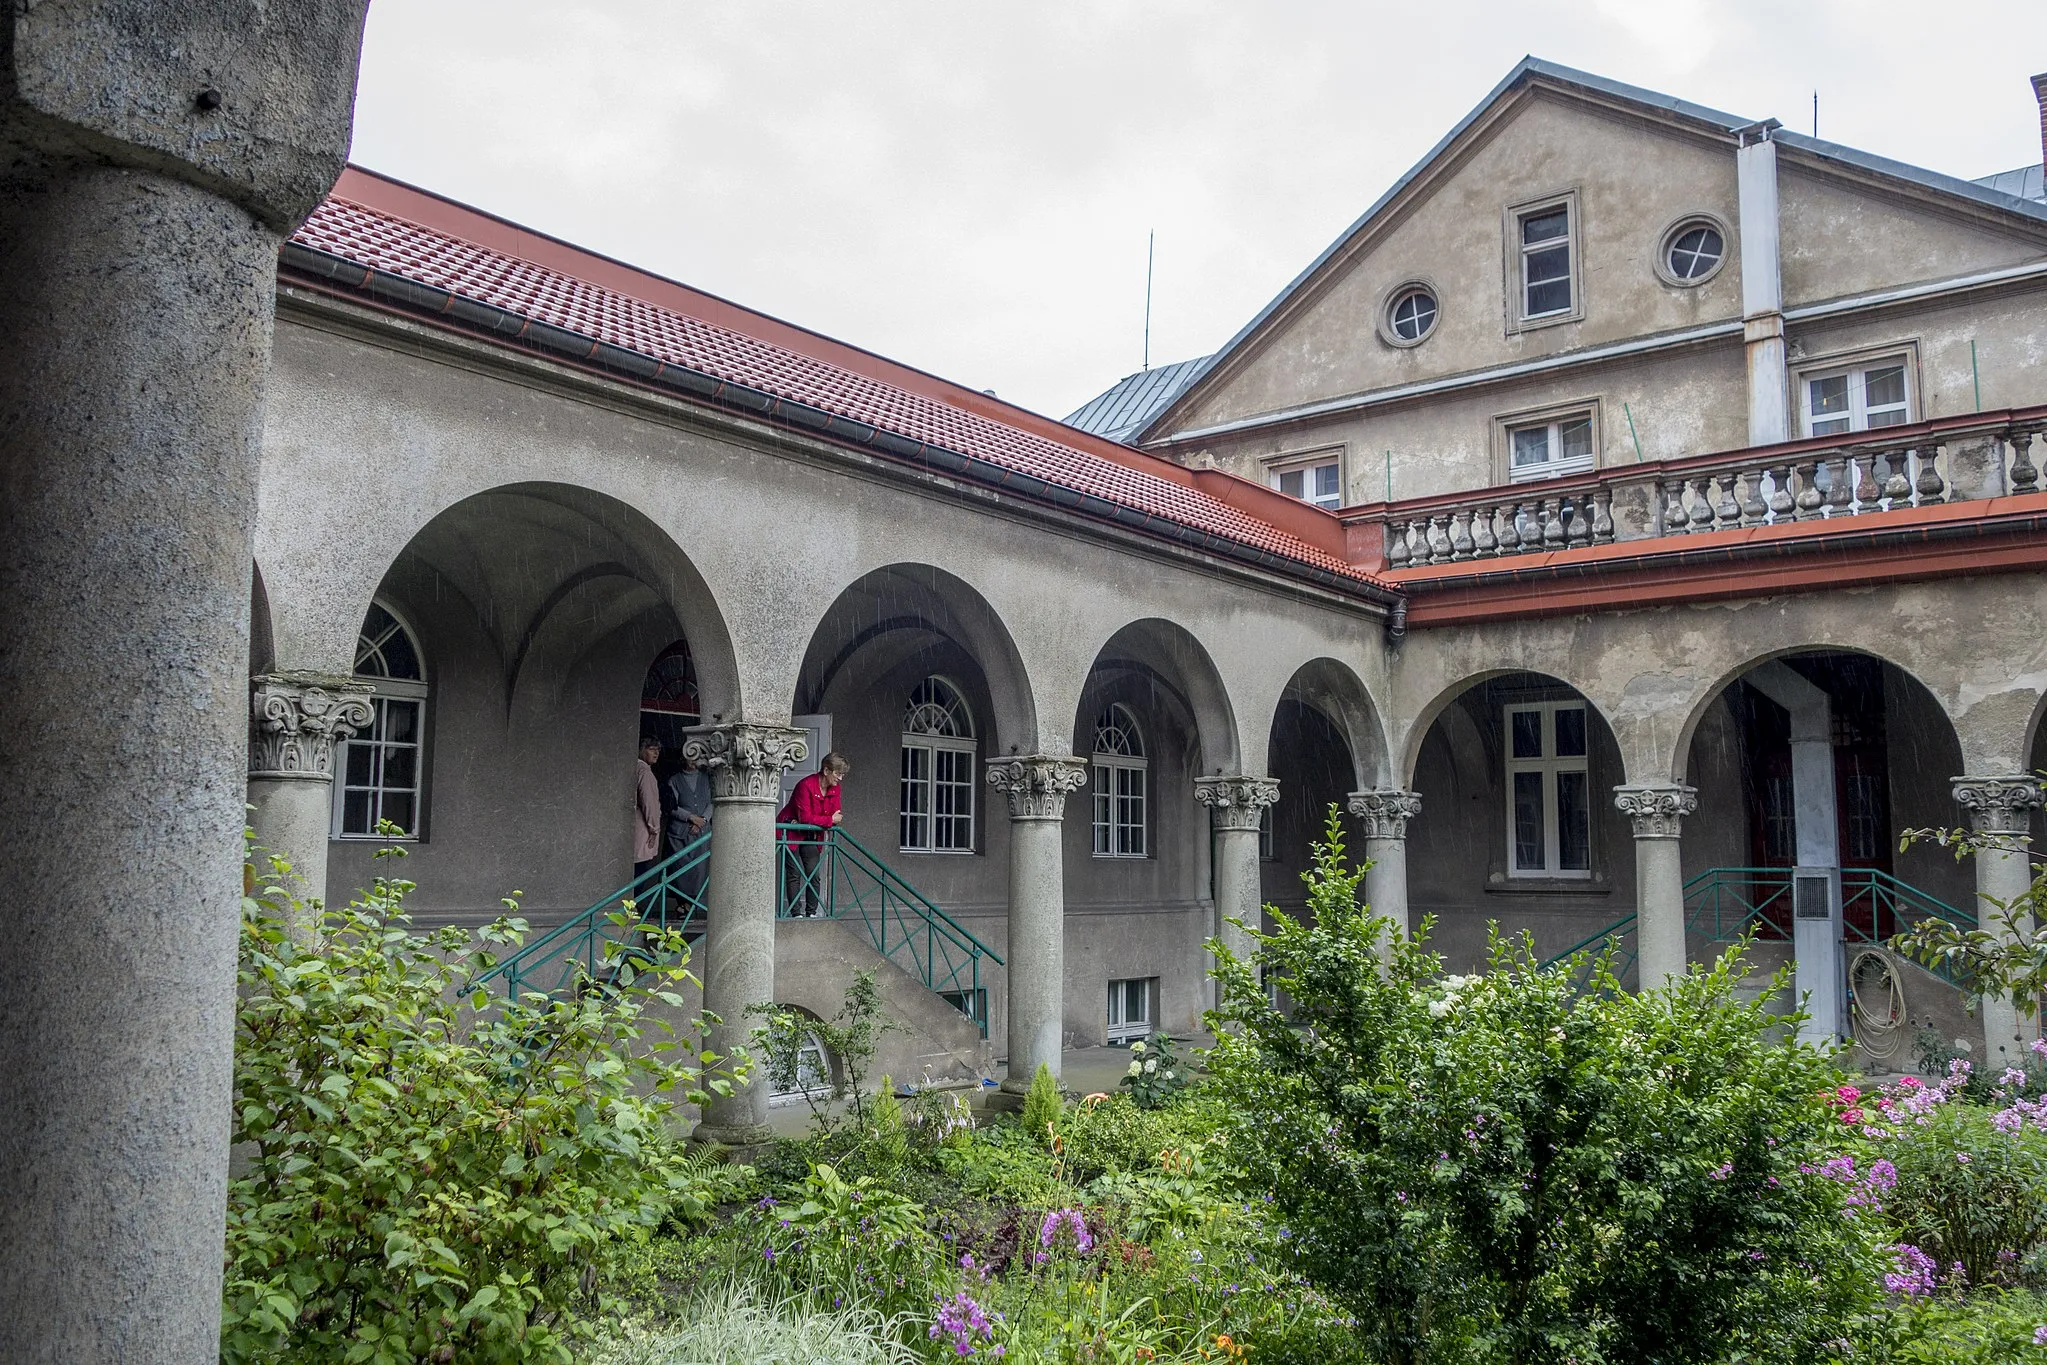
<point>1657,808</point>
<point>1037,784</point>
<point>746,762</point>
<point>2001,806</point>
<point>295,719</point>
<point>1385,811</point>
<point>1236,802</point>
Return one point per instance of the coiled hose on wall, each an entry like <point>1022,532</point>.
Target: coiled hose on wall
<point>1877,988</point>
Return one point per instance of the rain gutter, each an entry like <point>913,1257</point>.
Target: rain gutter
<point>505,325</point>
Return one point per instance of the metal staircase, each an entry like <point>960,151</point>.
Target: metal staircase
<point>1722,904</point>
<point>845,882</point>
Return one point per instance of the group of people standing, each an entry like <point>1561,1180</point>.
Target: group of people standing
<point>679,811</point>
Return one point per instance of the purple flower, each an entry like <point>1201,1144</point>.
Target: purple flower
<point>1917,1275</point>
<point>1048,1232</point>
<point>966,1325</point>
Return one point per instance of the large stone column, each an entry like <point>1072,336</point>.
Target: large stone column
<point>1658,810</point>
<point>295,720</point>
<point>1037,786</point>
<point>1385,812</point>
<point>746,763</point>
<point>157,151</point>
<point>2001,810</point>
<point>1236,808</point>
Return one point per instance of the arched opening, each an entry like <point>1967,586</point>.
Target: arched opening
<point>1818,761</point>
<point>1153,716</point>
<point>1516,772</point>
<point>517,647</point>
<point>1326,741</point>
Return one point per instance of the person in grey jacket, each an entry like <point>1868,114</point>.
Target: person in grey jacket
<point>689,815</point>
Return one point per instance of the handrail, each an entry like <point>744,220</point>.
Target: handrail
<point>845,878</point>
<point>1758,891</point>
<point>667,896</point>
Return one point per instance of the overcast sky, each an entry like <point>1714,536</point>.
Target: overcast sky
<point>966,186</point>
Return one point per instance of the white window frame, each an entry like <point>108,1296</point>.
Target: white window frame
<point>1306,464</point>
<point>1550,766</point>
<point>1519,318</point>
<point>931,739</point>
<point>1121,781</point>
<point>1553,426</point>
<point>385,693</point>
<point>1857,373</point>
<point>1122,1026</point>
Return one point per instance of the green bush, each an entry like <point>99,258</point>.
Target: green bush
<point>1508,1167</point>
<point>427,1174</point>
<point>1043,1105</point>
<point>858,1240</point>
<point>1984,1329</point>
<point>1156,1075</point>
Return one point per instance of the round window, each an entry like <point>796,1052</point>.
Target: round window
<point>1695,251</point>
<point>1413,314</point>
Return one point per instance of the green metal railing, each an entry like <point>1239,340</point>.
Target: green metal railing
<point>1723,903</point>
<point>591,946</point>
<point>829,874</point>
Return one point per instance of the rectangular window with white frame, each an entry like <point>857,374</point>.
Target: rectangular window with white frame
<point>1549,790</point>
<point>1318,480</point>
<point>1543,277</point>
<point>1862,397</point>
<point>1132,1004</point>
<point>1566,444</point>
<point>937,801</point>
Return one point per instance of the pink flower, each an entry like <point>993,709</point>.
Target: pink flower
<point>1849,1094</point>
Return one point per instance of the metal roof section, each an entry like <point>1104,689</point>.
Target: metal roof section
<point>2027,182</point>
<point>1127,405</point>
<point>1650,101</point>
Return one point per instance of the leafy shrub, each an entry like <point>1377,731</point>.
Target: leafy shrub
<point>1043,1104</point>
<point>1509,1168</point>
<point>1115,1136</point>
<point>849,1039</point>
<point>1984,1329</point>
<point>426,1174</point>
<point>737,1326</point>
<point>858,1240</point>
<point>1005,1163</point>
<point>1156,1076</point>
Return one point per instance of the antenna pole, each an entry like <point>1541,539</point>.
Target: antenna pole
<point>1150,239</point>
<point>1815,113</point>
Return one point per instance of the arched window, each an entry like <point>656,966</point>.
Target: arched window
<point>668,703</point>
<point>381,768</point>
<point>937,809</point>
<point>1120,770</point>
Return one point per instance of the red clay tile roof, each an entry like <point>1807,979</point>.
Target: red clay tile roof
<point>380,239</point>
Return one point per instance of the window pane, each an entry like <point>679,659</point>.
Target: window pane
<point>1576,438</point>
<point>401,767</point>
<point>1325,481</point>
<point>1829,396</point>
<point>1574,823</point>
<point>1894,418</point>
<point>1531,446</point>
<point>355,814</point>
<point>397,808</point>
<point>358,765</point>
<point>1551,297</point>
<point>1780,828</point>
<point>1546,226</point>
<point>1571,732</point>
<point>1527,734</point>
<point>1528,822</point>
<point>401,721</point>
<point>1883,388</point>
<point>1290,483</point>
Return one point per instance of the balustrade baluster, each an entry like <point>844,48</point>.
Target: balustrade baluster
<point>1840,485</point>
<point>1675,521</point>
<point>1780,492</point>
<point>1929,485</point>
<point>1460,535</point>
<point>1602,517</point>
<point>1552,524</point>
<point>1702,502</point>
<point>1577,526</point>
<point>1511,539</point>
<point>1396,544</point>
<point>2025,475</point>
<point>1728,507</point>
<point>1897,488</point>
<point>1439,540</point>
<point>1808,497</point>
<point>1867,489</point>
<point>1753,509</point>
<point>1483,542</point>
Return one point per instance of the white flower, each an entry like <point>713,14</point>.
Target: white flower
<point>1169,1075</point>
<point>1151,1064</point>
<point>1438,1008</point>
<point>1136,1067</point>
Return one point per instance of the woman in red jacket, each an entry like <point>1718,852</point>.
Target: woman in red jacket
<point>814,802</point>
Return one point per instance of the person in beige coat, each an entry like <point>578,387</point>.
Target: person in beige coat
<point>647,809</point>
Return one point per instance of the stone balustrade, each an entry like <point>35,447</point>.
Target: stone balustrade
<point>1857,474</point>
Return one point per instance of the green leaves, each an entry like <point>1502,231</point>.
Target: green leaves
<point>432,1173</point>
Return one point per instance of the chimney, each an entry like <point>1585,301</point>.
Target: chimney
<point>2040,94</point>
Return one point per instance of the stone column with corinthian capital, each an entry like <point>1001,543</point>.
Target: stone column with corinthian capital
<point>1658,810</point>
<point>296,722</point>
<point>1037,786</point>
<point>1384,812</point>
<point>2001,810</point>
<point>1236,809</point>
<point>745,763</point>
